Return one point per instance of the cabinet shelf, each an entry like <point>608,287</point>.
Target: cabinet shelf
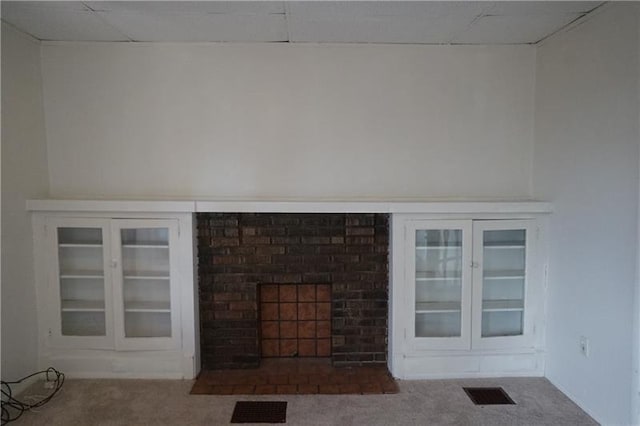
<point>433,276</point>
<point>437,307</point>
<point>438,247</point>
<point>82,306</point>
<point>146,246</point>
<point>80,245</point>
<point>504,245</point>
<point>147,307</point>
<point>81,275</point>
<point>504,275</point>
<point>146,275</point>
<point>502,305</point>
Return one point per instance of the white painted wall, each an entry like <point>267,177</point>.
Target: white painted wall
<point>24,176</point>
<point>586,163</point>
<point>273,120</point>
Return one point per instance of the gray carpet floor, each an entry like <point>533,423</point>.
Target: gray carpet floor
<point>424,402</point>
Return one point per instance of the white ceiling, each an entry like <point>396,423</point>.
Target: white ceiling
<point>269,21</point>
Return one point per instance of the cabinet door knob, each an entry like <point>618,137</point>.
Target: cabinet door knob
<point>114,263</point>
<point>475,264</point>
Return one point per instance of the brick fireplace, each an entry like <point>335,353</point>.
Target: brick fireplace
<point>341,258</point>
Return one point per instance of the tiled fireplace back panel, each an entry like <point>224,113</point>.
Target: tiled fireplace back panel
<point>238,252</point>
<point>295,320</point>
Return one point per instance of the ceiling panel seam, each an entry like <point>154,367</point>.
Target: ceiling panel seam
<point>578,21</point>
<point>287,16</point>
<point>480,15</point>
<point>106,21</point>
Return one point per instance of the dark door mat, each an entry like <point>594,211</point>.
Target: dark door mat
<point>260,412</point>
<point>489,396</point>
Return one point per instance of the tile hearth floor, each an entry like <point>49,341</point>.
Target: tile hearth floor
<point>302,376</point>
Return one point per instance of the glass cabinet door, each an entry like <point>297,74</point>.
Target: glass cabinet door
<point>146,278</point>
<point>81,275</point>
<point>144,286</point>
<point>440,284</point>
<point>83,283</point>
<point>500,277</point>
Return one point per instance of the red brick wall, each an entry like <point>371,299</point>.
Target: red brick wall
<point>238,251</point>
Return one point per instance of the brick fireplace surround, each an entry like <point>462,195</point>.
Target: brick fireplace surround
<point>237,252</point>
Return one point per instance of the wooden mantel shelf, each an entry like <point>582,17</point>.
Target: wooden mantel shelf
<point>292,206</point>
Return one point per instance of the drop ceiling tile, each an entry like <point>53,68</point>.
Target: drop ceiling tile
<point>384,22</point>
<point>197,27</point>
<point>433,9</point>
<point>65,5</point>
<point>378,29</point>
<point>51,22</point>
<point>513,29</point>
<point>223,7</point>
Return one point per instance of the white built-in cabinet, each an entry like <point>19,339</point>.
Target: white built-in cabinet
<point>110,292</point>
<point>115,282</point>
<point>468,296</point>
<point>117,292</point>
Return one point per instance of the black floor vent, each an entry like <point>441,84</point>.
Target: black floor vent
<point>260,412</point>
<point>489,396</point>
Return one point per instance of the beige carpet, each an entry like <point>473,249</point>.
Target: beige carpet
<point>435,402</point>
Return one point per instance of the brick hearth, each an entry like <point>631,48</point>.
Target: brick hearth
<point>239,251</point>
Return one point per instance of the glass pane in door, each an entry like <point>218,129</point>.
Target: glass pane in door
<point>438,283</point>
<point>146,282</point>
<point>503,287</point>
<point>81,278</point>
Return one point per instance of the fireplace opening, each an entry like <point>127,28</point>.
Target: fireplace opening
<point>275,285</point>
<point>295,320</point>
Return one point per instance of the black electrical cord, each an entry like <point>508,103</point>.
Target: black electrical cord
<point>13,408</point>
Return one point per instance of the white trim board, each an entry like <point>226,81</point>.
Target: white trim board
<point>111,206</point>
<point>292,206</point>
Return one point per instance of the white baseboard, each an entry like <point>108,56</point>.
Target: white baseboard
<point>471,375</point>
